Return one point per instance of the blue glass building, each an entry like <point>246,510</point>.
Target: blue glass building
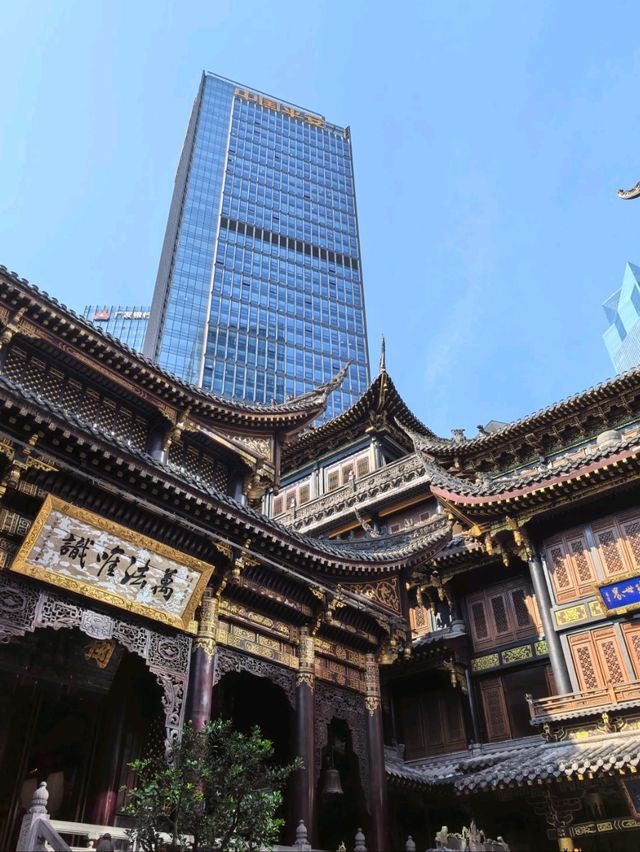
<point>259,291</point>
<point>128,324</point>
<point>622,309</point>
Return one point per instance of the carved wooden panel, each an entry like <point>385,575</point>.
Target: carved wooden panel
<point>494,708</point>
<point>609,541</point>
<point>25,608</point>
<point>502,614</point>
<point>228,660</point>
<point>432,724</point>
<point>570,566</point>
<point>631,633</point>
<point>598,658</point>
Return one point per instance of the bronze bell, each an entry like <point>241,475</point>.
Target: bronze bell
<point>331,785</point>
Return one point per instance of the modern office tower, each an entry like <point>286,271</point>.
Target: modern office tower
<point>622,309</point>
<point>259,291</point>
<point>127,324</point>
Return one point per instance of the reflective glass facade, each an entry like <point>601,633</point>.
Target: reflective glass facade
<point>622,309</point>
<point>128,324</point>
<point>259,294</point>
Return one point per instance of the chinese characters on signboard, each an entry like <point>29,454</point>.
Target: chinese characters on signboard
<point>86,554</point>
<point>269,103</point>
<point>621,594</point>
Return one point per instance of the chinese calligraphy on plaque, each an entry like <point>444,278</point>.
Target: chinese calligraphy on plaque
<point>622,594</point>
<point>89,555</point>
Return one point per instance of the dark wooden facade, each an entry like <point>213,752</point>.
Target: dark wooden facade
<point>518,704</point>
<point>451,623</point>
<point>286,631</point>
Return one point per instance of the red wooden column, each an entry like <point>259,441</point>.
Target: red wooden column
<point>110,751</point>
<point>204,650</point>
<point>304,780</point>
<point>378,834</point>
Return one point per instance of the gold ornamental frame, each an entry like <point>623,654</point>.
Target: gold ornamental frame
<point>21,565</point>
<point>618,580</point>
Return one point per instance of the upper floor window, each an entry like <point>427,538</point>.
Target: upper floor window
<point>353,467</point>
<point>503,613</point>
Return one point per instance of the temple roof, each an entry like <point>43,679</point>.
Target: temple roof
<point>60,321</point>
<point>379,409</point>
<point>583,415</point>
<point>349,557</point>
<point>527,761</point>
<point>578,470</point>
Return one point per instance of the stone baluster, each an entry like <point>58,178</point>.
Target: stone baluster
<point>38,810</point>
<point>302,838</point>
<point>360,845</point>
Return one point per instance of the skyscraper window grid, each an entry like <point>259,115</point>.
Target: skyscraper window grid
<point>286,304</point>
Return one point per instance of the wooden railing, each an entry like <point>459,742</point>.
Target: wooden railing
<point>595,700</point>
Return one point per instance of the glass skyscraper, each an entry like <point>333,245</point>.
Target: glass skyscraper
<point>259,291</point>
<point>128,324</point>
<point>622,309</point>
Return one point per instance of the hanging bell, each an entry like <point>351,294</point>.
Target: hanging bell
<point>331,785</point>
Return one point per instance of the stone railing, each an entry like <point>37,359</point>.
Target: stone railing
<point>40,833</point>
<point>399,476</point>
<point>557,707</point>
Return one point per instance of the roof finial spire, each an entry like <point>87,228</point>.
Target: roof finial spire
<point>383,361</point>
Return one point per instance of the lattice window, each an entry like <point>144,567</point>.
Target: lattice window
<point>278,505</point>
<point>72,395</point>
<point>611,553</point>
<point>631,633</point>
<point>304,493</point>
<point>222,479</point>
<point>176,451</point>
<point>192,461</point>
<point>495,709</point>
<point>362,466</point>
<point>90,406</point>
<point>523,615</point>
<point>333,480</point>
<point>503,613</point>
<point>500,614</point>
<point>208,469</point>
<point>16,364</point>
<point>347,471</point>
<point>582,560</point>
<point>479,621</point>
<point>52,385</point>
<point>631,530</point>
<point>558,564</point>
<point>34,375</point>
<point>107,414</point>
<point>611,659</point>
<point>570,566</point>
<point>597,658</point>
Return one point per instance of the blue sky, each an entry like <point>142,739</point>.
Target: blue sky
<point>489,141</point>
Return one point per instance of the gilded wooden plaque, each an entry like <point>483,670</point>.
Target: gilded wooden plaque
<point>91,556</point>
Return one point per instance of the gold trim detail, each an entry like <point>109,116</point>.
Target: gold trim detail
<point>570,615</point>
<point>208,625</point>
<point>489,661</point>
<point>21,565</point>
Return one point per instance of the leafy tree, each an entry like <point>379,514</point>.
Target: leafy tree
<point>217,790</point>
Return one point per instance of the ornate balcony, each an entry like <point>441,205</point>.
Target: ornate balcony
<point>556,708</point>
<point>401,477</point>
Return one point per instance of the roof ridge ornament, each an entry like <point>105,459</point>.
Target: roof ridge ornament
<point>628,194</point>
<point>382,367</point>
